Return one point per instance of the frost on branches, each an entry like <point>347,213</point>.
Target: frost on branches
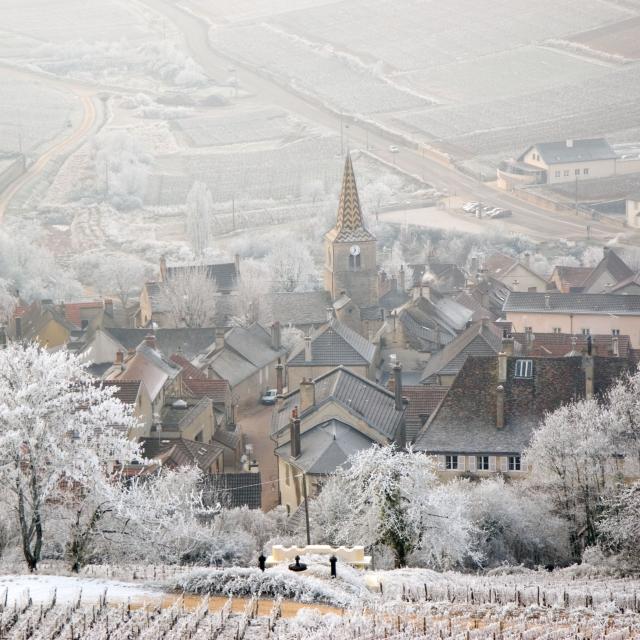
<point>59,437</point>
<point>392,498</point>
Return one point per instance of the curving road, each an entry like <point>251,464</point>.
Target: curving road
<point>60,146</point>
<point>535,221</point>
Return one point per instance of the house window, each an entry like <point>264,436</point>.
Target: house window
<point>524,368</point>
<point>576,172</point>
<point>585,172</point>
<point>354,262</point>
<point>557,174</point>
<point>586,331</point>
<point>514,463</point>
<point>566,173</point>
<point>482,463</point>
<point>451,462</point>
<point>615,332</point>
<point>557,329</point>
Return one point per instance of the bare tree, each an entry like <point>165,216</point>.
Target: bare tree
<point>291,267</point>
<point>254,281</point>
<point>189,295</point>
<point>122,276</point>
<point>199,209</point>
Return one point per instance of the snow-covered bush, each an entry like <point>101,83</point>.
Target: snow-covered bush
<point>620,524</point>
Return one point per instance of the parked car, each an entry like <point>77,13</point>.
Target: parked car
<point>393,148</point>
<point>491,210</point>
<point>469,207</point>
<point>270,396</point>
<point>502,213</point>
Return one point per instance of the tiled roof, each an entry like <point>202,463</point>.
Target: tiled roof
<point>185,342</point>
<point>480,339</point>
<point>592,303</point>
<point>497,264</point>
<point>295,308</point>
<point>364,399</point>
<point>73,310</point>
<point>229,439</point>
<point>326,447</point>
<point>350,223</point>
<point>179,452</point>
<point>224,274</point>
<point>394,299</point>
<point>217,390</point>
<point>423,401</point>
<point>189,372</point>
<point>445,276</point>
<point>578,151</point>
<point>180,413</point>
<point>253,343</point>
<point>632,279</point>
<point>335,344</point>
<point>471,303</point>
<point>572,277</point>
<point>559,344</point>
<point>236,489</point>
<point>126,390</point>
<point>612,264</point>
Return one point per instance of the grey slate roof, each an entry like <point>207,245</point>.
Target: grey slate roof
<point>592,303</point>
<point>364,399</point>
<point>229,439</point>
<point>326,447</point>
<point>480,339</point>
<point>295,308</point>
<point>335,344</point>
<point>611,263</point>
<point>465,422</point>
<point>224,274</point>
<point>187,342</point>
<point>579,151</point>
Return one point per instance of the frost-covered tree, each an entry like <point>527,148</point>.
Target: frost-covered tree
<point>623,416</point>
<point>620,523</point>
<point>60,435</point>
<point>572,457</point>
<point>199,211</point>
<point>393,498</point>
<point>291,267</point>
<point>252,285</point>
<point>8,301</point>
<point>190,297</point>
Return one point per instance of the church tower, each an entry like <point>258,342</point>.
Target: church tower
<point>350,250</point>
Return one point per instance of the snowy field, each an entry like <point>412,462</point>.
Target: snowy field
<point>410,604</point>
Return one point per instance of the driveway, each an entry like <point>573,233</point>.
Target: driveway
<point>255,424</point>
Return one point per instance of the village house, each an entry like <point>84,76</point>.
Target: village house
<point>304,310</point>
<point>556,162</point>
<point>517,275</point>
<point>485,422</point>
<point>134,394</point>
<point>332,345</point>
<point>610,271</point>
<point>246,358</point>
<point>444,277</point>
<point>632,210</point>
<point>318,426</point>
<point>574,313</point>
<point>173,453</point>
<point>569,279</point>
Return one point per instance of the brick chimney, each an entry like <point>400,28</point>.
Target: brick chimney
<point>150,341</point>
<point>615,346</point>
<point>307,394</point>
<point>108,306</point>
<point>397,386</point>
<point>119,358</point>
<point>279,377</point>
<point>587,365</point>
<point>500,406</point>
<point>507,344</point>
<point>276,336</point>
<point>308,355</point>
<point>294,436</point>
<point>502,367</point>
<point>547,301</point>
<point>219,339</point>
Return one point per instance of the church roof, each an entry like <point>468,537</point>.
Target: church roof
<point>350,224</point>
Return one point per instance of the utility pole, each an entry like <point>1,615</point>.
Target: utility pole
<point>306,507</point>
<point>341,137</point>
<point>576,195</point>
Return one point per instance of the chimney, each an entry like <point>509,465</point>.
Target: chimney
<point>150,341</point>
<point>18,328</point>
<point>474,265</point>
<point>276,336</point>
<point>547,301</point>
<point>502,367</point>
<point>587,365</point>
<point>294,436</point>
<point>279,377</point>
<point>569,144</point>
<point>307,394</point>
<point>499,407</point>
<point>527,259</point>
<point>108,306</point>
<point>402,282</point>
<point>308,355</point>
<point>119,358</point>
<point>163,269</point>
<point>528,339</point>
<point>397,386</point>
<point>615,346</point>
<point>589,345</point>
<point>329,311</point>
<point>507,344</point>
<point>219,339</point>
<point>236,260</point>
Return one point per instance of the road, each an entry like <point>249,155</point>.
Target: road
<point>541,222</point>
<point>61,144</point>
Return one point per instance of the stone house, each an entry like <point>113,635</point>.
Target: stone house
<point>517,275</point>
<point>318,426</point>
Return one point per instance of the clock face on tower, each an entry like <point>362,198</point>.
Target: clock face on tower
<point>354,250</point>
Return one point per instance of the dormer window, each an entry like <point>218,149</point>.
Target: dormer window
<point>524,369</point>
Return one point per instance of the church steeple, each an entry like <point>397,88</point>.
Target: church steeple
<point>350,224</point>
